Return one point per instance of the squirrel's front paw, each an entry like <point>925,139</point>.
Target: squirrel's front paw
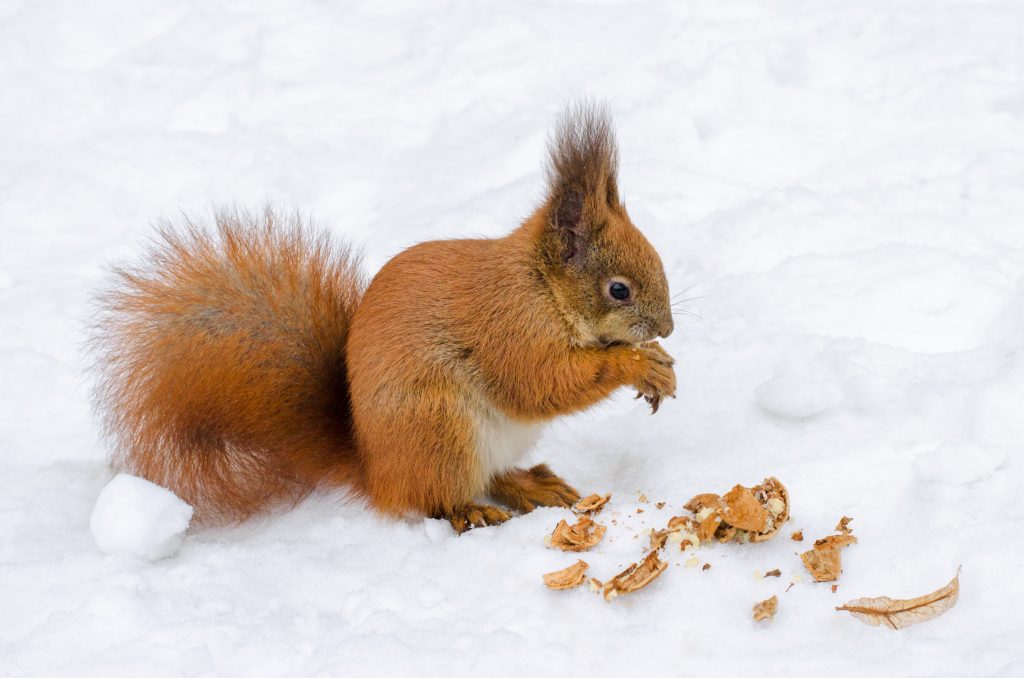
<point>656,379</point>
<point>526,489</point>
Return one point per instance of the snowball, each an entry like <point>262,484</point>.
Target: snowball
<point>797,395</point>
<point>139,518</point>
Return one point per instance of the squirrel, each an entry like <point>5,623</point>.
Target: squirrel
<point>247,364</point>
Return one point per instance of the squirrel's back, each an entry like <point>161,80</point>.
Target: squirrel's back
<point>222,363</point>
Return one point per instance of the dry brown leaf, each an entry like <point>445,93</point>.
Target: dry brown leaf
<point>899,614</point>
<point>591,504</point>
<point>766,609</point>
<point>773,573</point>
<point>579,537</point>
<point>844,525</point>
<point>797,536</point>
<point>636,576</point>
<point>567,578</point>
<point>743,511</point>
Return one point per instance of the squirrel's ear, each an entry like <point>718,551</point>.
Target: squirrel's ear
<point>582,174</point>
<point>567,222</point>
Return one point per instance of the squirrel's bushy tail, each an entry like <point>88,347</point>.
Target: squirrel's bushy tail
<point>222,363</point>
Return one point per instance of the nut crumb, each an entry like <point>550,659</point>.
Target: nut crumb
<point>773,573</point>
<point>766,609</point>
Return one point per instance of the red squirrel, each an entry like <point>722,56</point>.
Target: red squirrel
<point>245,365</point>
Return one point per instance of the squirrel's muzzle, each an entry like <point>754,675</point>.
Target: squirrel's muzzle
<point>665,326</point>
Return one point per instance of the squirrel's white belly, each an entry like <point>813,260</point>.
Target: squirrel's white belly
<point>502,442</point>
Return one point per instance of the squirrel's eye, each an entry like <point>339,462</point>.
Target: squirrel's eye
<point>619,290</point>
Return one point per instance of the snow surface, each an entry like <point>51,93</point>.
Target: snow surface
<point>838,185</point>
<point>138,518</point>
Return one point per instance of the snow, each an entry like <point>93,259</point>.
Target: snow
<point>138,518</point>
<point>799,393</point>
<point>837,187</point>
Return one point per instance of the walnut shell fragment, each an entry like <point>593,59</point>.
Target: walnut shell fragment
<point>567,578</point>
<point>579,537</point>
<point>591,504</point>
<point>636,576</point>
<point>743,514</point>
<point>836,540</point>
<point>658,539</point>
<point>682,530</point>
<point>823,561</point>
<point>773,496</point>
<point>707,528</point>
<point>766,609</point>
<point>685,523</point>
<point>844,525</point>
<point>743,511</point>
<point>703,501</point>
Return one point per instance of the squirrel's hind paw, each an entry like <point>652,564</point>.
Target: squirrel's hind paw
<point>468,516</point>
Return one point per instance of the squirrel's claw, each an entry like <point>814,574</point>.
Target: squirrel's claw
<point>468,516</point>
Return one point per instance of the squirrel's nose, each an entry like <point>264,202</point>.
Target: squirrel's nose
<point>666,326</point>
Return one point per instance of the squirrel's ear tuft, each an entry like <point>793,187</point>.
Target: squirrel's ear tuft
<point>582,172</point>
<point>583,156</point>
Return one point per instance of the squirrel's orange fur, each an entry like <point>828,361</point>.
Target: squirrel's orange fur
<point>244,366</point>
